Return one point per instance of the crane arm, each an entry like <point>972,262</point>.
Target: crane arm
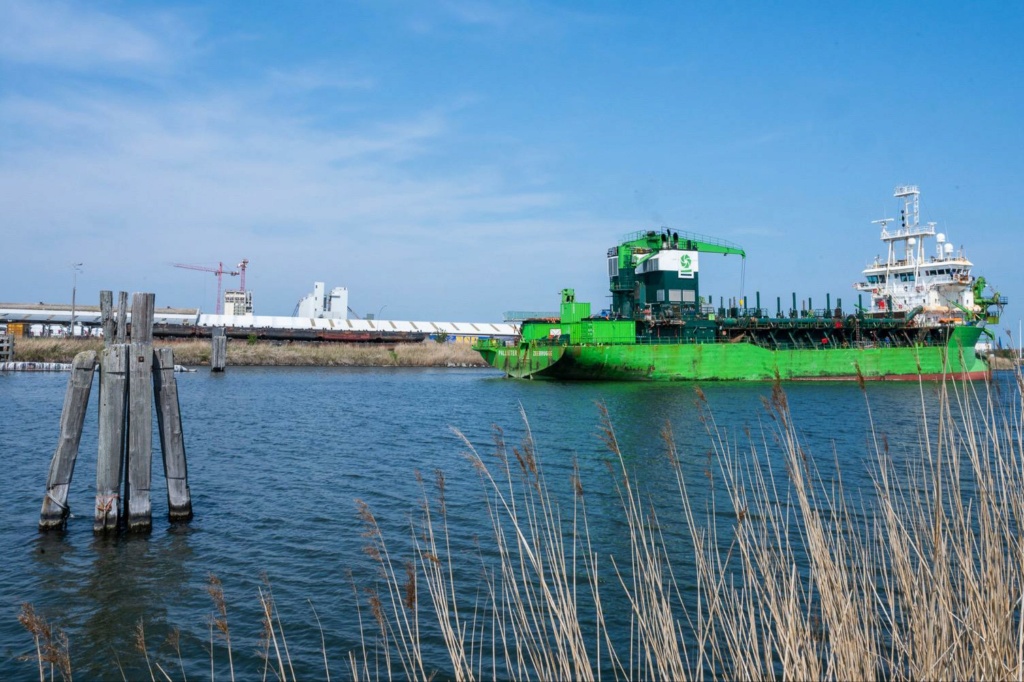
<point>647,244</point>
<point>196,267</point>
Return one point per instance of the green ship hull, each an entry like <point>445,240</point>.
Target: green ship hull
<point>737,361</point>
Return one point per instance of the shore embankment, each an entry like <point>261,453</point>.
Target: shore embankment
<point>271,353</point>
<point>1000,362</point>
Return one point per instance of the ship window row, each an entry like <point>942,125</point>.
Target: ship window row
<point>909,276</point>
<point>898,276</point>
<point>677,296</point>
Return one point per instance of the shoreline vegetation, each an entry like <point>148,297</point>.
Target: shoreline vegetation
<point>196,352</point>
<point>790,574</point>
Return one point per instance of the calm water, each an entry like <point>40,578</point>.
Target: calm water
<point>277,459</point>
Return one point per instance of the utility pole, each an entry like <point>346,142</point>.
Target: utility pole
<point>75,269</point>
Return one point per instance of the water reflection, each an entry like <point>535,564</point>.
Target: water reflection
<point>100,588</point>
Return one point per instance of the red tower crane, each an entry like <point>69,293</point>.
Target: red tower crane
<point>220,272</point>
<point>241,268</point>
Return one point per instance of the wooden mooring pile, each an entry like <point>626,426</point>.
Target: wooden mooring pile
<point>132,374</point>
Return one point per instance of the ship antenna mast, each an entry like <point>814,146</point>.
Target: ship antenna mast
<point>911,203</point>
<point>883,222</point>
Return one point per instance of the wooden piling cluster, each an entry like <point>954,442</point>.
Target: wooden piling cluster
<point>131,376</point>
<point>6,348</point>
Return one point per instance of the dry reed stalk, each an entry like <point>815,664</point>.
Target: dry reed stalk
<point>220,621</point>
<point>272,631</point>
<point>51,645</point>
<point>323,642</point>
<point>397,623</point>
<point>174,641</point>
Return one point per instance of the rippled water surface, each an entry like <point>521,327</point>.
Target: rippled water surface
<point>278,458</point>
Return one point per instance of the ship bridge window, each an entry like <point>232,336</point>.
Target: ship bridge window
<point>872,279</point>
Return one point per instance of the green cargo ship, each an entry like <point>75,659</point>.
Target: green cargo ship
<point>926,315</point>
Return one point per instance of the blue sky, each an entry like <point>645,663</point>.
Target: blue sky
<point>455,160</point>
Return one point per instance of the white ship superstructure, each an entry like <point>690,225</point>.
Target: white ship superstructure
<point>936,282</point>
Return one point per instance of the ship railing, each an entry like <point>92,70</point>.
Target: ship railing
<point>779,344</point>
<point>905,232</point>
<point>521,315</point>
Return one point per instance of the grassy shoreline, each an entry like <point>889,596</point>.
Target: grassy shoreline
<point>272,354</point>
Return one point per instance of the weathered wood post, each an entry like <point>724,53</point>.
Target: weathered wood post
<point>111,450</point>
<point>54,513</point>
<point>122,316</point>
<point>107,320</point>
<point>172,441</point>
<point>219,351</point>
<point>138,508</point>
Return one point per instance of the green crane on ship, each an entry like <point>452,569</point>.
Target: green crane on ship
<point>657,273</point>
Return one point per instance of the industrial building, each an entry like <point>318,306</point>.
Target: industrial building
<point>237,302</point>
<point>333,307</point>
<point>318,317</point>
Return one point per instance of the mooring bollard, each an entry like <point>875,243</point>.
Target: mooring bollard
<point>138,507</point>
<point>219,350</point>
<point>110,453</point>
<point>172,441</point>
<point>122,316</point>
<point>54,513</point>
<point>107,321</point>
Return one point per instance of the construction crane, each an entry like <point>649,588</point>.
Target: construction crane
<point>220,272</point>
<point>241,269</point>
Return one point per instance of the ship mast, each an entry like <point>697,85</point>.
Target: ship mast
<point>910,231</point>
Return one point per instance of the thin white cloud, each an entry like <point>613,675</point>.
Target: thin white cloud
<point>74,37</point>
